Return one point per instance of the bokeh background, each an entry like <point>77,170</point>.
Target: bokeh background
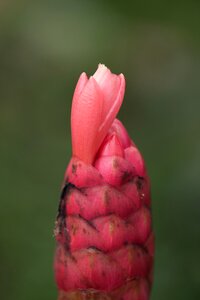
<point>44,46</point>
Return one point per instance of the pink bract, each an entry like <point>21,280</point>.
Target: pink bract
<point>105,241</point>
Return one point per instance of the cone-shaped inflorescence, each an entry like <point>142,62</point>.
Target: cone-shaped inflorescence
<point>105,244</point>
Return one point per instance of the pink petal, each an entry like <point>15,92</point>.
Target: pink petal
<point>110,115</point>
<point>96,103</point>
<point>85,120</point>
<point>109,84</point>
<point>80,85</point>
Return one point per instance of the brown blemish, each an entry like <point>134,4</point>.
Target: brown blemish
<point>106,197</point>
<point>88,222</point>
<point>111,227</point>
<point>92,294</point>
<point>130,255</point>
<point>91,261</point>
<point>74,168</point>
<point>140,183</point>
<point>126,176</point>
<point>74,229</point>
<point>115,163</point>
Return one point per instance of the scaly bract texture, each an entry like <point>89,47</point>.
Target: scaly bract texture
<point>105,244</point>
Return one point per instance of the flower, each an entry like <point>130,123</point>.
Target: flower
<point>95,104</point>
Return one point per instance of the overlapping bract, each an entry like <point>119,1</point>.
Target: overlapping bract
<point>105,239</point>
<point>105,244</point>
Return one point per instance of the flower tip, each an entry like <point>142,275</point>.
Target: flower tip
<point>101,73</point>
<point>122,84</point>
<point>80,86</point>
<point>101,66</point>
<point>83,75</point>
<point>121,75</point>
<point>82,78</point>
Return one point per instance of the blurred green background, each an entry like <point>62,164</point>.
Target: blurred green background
<point>44,46</point>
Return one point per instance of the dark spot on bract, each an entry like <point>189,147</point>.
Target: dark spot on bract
<point>126,177</point>
<point>74,168</point>
<point>115,163</point>
<point>140,183</point>
<point>89,222</point>
<point>60,225</point>
<point>94,248</point>
<point>106,197</point>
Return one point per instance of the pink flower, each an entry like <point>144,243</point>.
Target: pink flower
<point>97,100</point>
